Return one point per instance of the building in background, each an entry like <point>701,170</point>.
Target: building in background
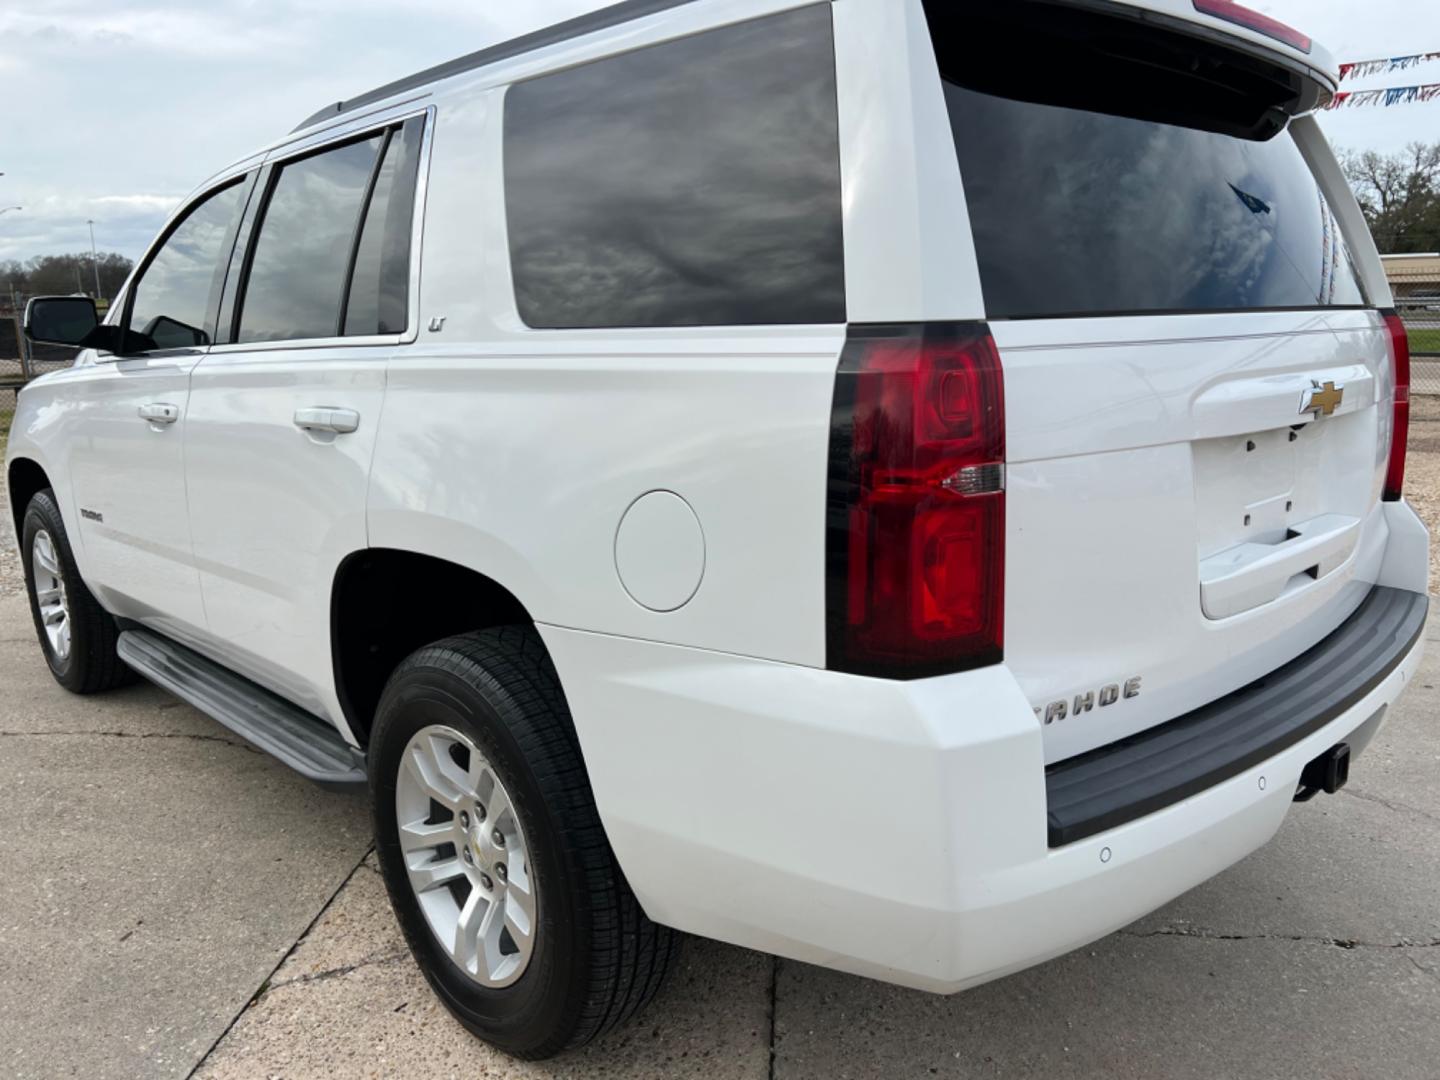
<point>1414,277</point>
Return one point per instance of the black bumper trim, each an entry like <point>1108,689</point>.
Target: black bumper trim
<point>1153,769</point>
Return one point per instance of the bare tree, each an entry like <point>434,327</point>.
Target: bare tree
<point>64,274</point>
<point>1400,195</point>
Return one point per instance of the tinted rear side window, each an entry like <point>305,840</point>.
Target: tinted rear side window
<point>691,183</point>
<point>380,287</point>
<point>297,275</point>
<point>1078,212</point>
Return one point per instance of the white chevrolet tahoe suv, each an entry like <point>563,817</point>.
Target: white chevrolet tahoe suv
<point>901,485</point>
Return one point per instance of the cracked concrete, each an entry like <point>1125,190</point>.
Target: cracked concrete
<point>1308,959</point>
<point>335,973</point>
<point>153,870</point>
<point>1215,935</point>
<point>1389,804</point>
<point>350,1002</point>
<point>1173,1007</point>
<point>197,736</point>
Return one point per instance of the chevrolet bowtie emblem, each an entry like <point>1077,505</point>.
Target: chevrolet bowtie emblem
<point>1323,400</point>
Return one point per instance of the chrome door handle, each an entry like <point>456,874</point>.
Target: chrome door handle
<point>335,421</point>
<point>159,413</point>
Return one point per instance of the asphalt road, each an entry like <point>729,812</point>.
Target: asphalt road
<point>172,901</point>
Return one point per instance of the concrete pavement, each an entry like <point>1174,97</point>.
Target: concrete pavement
<point>154,872</point>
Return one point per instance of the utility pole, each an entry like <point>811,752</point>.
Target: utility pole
<point>94,259</point>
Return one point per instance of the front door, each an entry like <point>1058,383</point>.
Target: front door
<point>126,448</point>
<point>127,471</point>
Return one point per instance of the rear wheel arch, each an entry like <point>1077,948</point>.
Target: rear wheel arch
<point>386,603</point>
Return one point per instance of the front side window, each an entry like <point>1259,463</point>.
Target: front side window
<point>302,253</point>
<point>175,299</point>
<point>691,183</point>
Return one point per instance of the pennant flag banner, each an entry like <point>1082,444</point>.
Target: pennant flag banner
<point>1395,95</point>
<point>1362,68</point>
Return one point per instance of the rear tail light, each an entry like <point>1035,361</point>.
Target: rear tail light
<point>1232,12</point>
<point>916,514</point>
<point>1400,369</point>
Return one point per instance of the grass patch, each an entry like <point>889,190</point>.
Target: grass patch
<point>1425,341</point>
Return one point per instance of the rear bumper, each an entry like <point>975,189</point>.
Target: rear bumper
<point>1134,777</point>
<point>889,829</point>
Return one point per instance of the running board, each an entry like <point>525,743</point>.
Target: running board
<point>301,740</point>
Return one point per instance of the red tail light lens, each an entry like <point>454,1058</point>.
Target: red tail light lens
<point>1400,368</point>
<point>916,531</point>
<point>1253,20</point>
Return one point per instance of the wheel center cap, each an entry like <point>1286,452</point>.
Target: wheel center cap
<point>477,845</point>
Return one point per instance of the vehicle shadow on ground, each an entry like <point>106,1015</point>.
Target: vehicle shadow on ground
<point>1270,969</point>
<point>212,908</point>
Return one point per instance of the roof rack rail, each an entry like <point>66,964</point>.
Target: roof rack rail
<point>614,15</point>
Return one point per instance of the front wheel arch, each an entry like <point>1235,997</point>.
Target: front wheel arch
<point>88,662</point>
<point>24,479</point>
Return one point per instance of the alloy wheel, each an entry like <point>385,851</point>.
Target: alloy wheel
<point>50,594</point>
<point>466,856</point>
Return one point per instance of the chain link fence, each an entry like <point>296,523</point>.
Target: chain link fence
<point>1415,281</point>
<point>20,361</point>
<point>13,370</point>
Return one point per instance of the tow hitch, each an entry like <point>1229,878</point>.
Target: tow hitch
<point>1326,773</point>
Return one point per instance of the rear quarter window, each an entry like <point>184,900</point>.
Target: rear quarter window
<point>691,183</point>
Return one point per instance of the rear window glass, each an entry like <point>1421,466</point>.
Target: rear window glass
<point>692,183</point>
<point>1085,213</point>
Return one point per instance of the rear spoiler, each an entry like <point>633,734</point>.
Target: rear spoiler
<point>1117,58</point>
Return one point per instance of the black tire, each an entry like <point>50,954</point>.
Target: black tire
<point>597,959</point>
<point>92,664</point>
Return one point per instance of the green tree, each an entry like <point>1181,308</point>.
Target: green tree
<point>1400,195</point>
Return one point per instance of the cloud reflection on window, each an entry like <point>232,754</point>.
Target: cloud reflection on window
<point>176,296</point>
<point>691,183</point>
<point>1080,212</point>
<point>298,273</point>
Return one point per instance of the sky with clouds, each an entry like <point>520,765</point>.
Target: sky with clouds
<point>116,109</point>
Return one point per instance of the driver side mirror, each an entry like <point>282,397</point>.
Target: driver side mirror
<point>61,320</point>
<point>73,322</point>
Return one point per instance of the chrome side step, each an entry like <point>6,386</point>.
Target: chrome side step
<point>302,741</point>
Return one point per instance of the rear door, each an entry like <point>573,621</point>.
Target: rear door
<point>1197,397</point>
<point>283,417</point>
